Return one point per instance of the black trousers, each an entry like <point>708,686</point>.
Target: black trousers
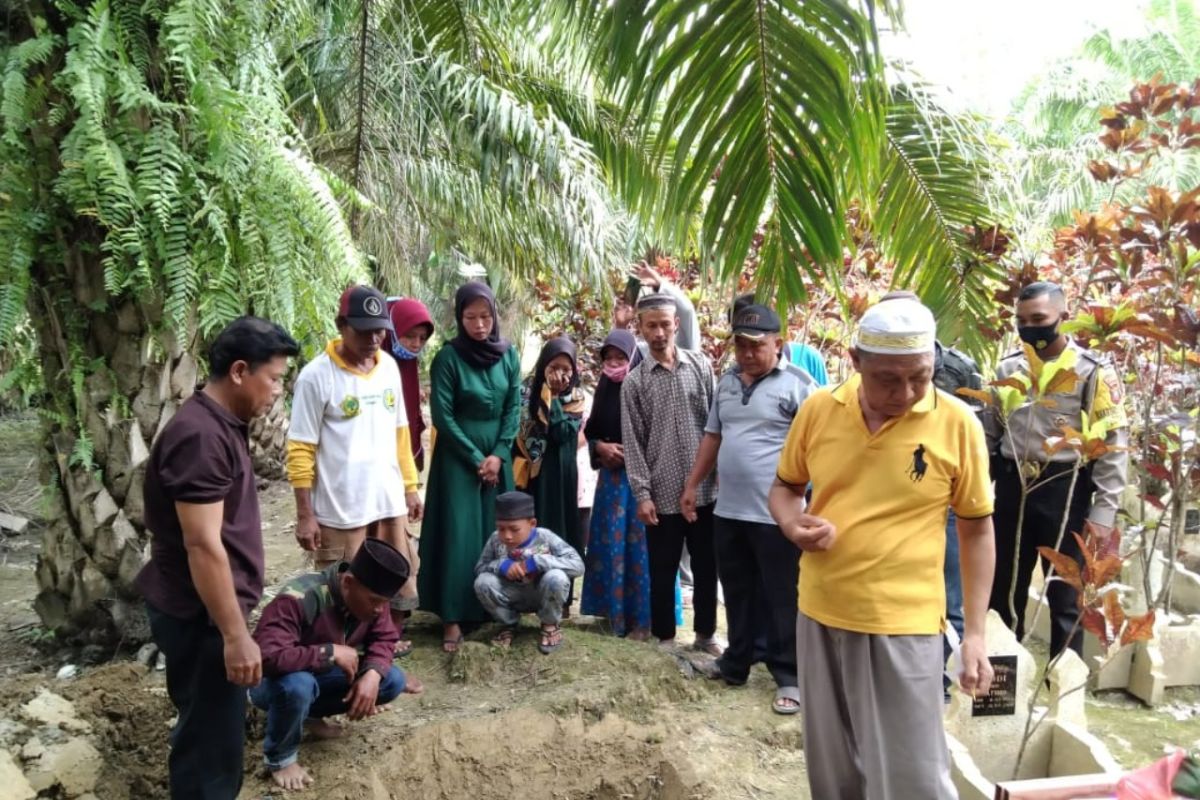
<point>207,742</point>
<point>758,569</point>
<point>1044,510</point>
<point>665,545</point>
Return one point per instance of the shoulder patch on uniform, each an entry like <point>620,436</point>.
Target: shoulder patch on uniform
<point>1112,382</point>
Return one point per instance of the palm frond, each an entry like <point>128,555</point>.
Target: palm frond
<point>770,114</point>
<point>464,30</point>
<point>490,128</point>
<point>929,201</point>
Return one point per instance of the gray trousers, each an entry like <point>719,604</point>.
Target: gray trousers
<point>872,714</point>
<point>506,600</point>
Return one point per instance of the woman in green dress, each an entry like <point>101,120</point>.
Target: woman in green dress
<point>475,404</point>
<point>545,464</point>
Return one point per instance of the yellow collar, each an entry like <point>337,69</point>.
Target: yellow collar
<point>847,395</point>
<point>332,352</point>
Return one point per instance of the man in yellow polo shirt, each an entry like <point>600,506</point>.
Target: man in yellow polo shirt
<point>887,454</point>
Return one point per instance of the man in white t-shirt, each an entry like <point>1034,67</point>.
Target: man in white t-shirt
<point>349,460</point>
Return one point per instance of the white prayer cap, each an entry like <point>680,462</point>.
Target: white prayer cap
<point>897,327</point>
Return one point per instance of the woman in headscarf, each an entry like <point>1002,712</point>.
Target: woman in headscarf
<point>475,405</point>
<point>616,581</point>
<point>544,460</point>
<point>413,327</point>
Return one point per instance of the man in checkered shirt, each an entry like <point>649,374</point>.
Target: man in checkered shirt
<point>664,404</point>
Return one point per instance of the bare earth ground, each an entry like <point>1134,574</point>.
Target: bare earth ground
<point>602,718</point>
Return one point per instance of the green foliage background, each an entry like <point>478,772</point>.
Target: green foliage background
<point>158,131</point>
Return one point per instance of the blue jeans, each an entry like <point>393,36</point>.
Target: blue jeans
<point>292,698</point>
<point>953,578</point>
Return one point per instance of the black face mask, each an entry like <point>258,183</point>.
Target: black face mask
<point>1038,336</point>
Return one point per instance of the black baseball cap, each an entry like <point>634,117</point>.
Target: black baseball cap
<point>755,322</point>
<point>365,309</point>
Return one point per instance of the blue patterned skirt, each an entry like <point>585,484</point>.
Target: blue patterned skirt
<point>616,584</point>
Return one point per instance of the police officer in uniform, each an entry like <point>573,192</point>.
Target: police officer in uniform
<point>1017,443</point>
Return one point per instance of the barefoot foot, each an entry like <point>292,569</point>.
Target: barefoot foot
<point>323,729</point>
<point>292,778</point>
<point>452,637</point>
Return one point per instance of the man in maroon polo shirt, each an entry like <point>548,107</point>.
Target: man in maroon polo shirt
<point>205,572</point>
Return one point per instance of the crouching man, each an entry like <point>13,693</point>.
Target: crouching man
<point>311,636</point>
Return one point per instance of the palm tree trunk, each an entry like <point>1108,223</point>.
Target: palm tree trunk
<point>98,432</point>
<point>268,442</point>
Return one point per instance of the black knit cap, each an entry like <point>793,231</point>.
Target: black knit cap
<point>380,567</point>
<point>514,505</point>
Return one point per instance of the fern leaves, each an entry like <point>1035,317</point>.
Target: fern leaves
<point>22,220</point>
<point>177,143</point>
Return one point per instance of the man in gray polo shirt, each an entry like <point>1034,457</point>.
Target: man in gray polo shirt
<point>748,423</point>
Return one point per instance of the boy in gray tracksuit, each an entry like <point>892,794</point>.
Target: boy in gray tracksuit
<point>525,569</point>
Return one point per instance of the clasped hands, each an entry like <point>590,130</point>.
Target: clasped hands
<point>518,572</point>
<point>489,470</point>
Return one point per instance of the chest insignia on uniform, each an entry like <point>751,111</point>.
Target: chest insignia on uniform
<point>916,471</point>
<point>350,406</point>
<point>389,399</point>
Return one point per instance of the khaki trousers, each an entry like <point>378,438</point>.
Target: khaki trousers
<point>340,544</point>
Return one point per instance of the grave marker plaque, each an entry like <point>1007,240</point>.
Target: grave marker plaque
<point>1001,699</point>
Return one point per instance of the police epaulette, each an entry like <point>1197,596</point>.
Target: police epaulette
<point>1098,360</point>
<point>1014,354</point>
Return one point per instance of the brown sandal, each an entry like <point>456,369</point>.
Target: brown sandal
<point>504,638</point>
<point>552,639</point>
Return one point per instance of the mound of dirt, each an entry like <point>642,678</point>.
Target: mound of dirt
<point>131,719</point>
<point>525,753</point>
<point>104,732</point>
